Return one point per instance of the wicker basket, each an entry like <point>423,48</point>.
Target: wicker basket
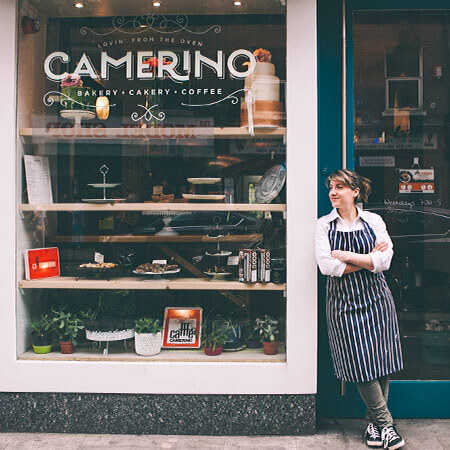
<point>147,344</point>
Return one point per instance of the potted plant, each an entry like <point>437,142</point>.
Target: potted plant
<point>67,326</point>
<point>89,318</point>
<point>41,329</point>
<point>147,336</point>
<point>214,335</point>
<point>268,333</point>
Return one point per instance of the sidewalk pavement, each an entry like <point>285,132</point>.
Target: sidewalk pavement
<point>423,434</point>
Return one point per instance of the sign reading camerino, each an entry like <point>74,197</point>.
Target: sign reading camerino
<point>167,62</point>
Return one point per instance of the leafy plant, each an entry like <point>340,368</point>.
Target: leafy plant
<point>147,325</point>
<point>267,329</point>
<point>215,333</point>
<point>41,326</point>
<point>66,325</point>
<point>88,315</point>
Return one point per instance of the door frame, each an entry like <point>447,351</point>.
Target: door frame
<point>426,399</point>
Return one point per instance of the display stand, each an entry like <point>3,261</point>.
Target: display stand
<point>109,336</point>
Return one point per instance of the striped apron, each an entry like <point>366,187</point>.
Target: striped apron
<point>362,322</point>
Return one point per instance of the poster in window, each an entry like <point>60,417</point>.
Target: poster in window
<point>416,181</point>
<point>182,327</point>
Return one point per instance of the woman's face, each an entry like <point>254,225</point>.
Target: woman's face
<point>341,195</point>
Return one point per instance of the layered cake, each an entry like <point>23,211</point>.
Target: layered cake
<point>76,97</point>
<point>262,91</point>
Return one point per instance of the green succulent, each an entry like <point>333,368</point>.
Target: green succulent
<point>147,325</point>
<point>66,325</point>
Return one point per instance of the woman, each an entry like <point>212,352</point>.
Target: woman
<point>353,249</point>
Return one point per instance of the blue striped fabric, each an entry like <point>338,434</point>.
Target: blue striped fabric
<point>362,322</point>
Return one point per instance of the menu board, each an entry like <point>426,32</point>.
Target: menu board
<point>37,173</point>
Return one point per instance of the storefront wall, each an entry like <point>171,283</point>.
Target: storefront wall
<point>179,385</point>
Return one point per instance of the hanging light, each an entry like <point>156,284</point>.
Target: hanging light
<point>102,108</point>
<point>237,3</point>
<point>78,5</point>
<point>156,3</point>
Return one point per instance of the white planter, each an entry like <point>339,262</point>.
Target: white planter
<point>147,344</point>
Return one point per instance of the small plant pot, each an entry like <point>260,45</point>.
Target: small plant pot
<point>66,347</point>
<point>213,352</point>
<point>254,344</point>
<point>42,349</point>
<point>40,341</point>
<point>147,344</point>
<point>270,348</point>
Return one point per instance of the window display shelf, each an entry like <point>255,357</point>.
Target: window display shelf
<point>84,353</point>
<point>125,134</point>
<point>148,284</point>
<point>279,207</point>
<point>256,237</point>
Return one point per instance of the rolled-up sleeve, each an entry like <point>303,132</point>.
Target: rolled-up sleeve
<point>381,260</point>
<point>327,264</point>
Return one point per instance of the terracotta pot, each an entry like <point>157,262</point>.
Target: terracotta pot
<point>210,352</point>
<point>270,348</point>
<point>66,347</point>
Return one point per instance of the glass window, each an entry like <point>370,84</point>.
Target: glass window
<point>152,168</point>
<point>403,147</point>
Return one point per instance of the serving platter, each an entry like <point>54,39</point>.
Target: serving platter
<point>104,185</point>
<point>203,196</point>
<point>204,180</point>
<point>103,200</point>
<point>169,272</point>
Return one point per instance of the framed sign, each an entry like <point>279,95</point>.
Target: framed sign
<point>182,327</point>
<point>416,181</point>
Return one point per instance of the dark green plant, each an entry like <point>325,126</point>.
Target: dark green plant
<point>41,326</point>
<point>88,315</point>
<point>147,325</point>
<point>66,325</point>
<point>215,333</point>
<point>267,329</point>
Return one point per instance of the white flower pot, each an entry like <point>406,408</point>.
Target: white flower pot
<point>147,344</point>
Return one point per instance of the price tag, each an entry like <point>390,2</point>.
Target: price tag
<point>233,261</point>
<point>159,261</point>
<point>99,258</point>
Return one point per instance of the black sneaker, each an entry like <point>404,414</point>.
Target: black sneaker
<point>391,439</point>
<point>372,435</point>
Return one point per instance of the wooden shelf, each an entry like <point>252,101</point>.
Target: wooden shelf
<point>146,283</point>
<point>181,238</point>
<point>126,134</point>
<point>153,207</point>
<point>118,354</point>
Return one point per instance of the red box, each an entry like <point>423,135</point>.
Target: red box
<point>42,263</point>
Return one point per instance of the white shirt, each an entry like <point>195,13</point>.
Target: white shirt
<point>335,268</point>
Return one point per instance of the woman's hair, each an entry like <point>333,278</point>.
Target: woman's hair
<point>353,181</point>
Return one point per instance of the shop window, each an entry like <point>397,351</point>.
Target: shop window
<point>406,158</point>
<point>138,135</point>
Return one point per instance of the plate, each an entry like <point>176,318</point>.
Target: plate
<point>169,272</point>
<point>204,196</point>
<point>270,184</point>
<point>104,185</point>
<point>204,180</point>
<point>222,253</point>
<point>103,200</point>
<point>218,276</point>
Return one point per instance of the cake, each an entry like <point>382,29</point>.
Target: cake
<point>76,97</point>
<point>262,91</point>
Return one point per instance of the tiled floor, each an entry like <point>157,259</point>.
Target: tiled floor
<point>331,434</point>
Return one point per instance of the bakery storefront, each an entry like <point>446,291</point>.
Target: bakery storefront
<point>168,162</point>
<point>150,171</point>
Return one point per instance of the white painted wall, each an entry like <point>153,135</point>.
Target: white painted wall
<point>298,374</point>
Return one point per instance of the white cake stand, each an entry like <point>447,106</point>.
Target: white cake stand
<point>77,115</point>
